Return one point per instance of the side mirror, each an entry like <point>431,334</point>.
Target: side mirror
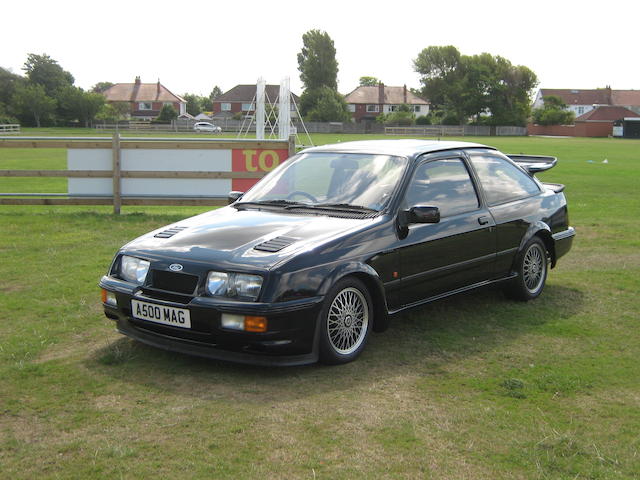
<point>423,214</point>
<point>234,196</point>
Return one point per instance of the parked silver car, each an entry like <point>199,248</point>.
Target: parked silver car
<point>206,127</point>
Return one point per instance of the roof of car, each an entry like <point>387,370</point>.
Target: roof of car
<point>405,148</point>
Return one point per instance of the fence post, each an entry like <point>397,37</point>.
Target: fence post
<point>292,145</point>
<point>115,154</point>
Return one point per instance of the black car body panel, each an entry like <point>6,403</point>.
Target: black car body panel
<point>300,251</point>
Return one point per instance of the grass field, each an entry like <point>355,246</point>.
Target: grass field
<point>473,387</point>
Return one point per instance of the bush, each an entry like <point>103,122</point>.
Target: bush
<point>423,120</point>
<point>167,114</point>
<point>450,119</point>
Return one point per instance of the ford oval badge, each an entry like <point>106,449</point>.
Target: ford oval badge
<point>175,267</point>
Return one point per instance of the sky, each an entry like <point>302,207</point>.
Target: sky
<point>193,46</point>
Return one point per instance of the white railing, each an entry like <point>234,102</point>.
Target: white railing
<point>9,128</point>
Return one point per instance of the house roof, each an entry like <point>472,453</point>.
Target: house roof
<point>606,114</point>
<point>392,96</point>
<point>598,96</point>
<point>629,98</point>
<point>140,92</point>
<point>247,93</point>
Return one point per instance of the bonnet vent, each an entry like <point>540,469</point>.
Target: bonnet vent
<point>275,244</point>
<point>169,232</point>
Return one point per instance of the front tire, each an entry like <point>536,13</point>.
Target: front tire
<point>532,267</point>
<point>345,321</point>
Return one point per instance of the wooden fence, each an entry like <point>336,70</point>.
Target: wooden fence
<point>117,144</point>
<point>427,130</point>
<point>10,128</point>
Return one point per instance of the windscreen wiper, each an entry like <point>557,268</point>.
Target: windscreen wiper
<point>332,206</point>
<point>268,203</point>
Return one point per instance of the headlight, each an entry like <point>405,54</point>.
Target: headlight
<point>234,285</point>
<point>133,269</point>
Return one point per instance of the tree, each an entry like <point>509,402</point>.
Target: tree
<point>101,87</point>
<point>31,102</point>
<point>468,86</point>
<point>8,83</point>
<point>329,107</point>
<point>167,114</point>
<point>196,103</point>
<point>554,112</point>
<point>318,68</point>
<point>45,71</point>
<point>113,112</point>
<point>369,81</point>
<point>216,92</point>
<point>317,61</point>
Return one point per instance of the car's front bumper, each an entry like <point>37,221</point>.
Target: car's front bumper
<point>290,338</point>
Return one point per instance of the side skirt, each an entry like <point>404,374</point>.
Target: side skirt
<point>452,292</point>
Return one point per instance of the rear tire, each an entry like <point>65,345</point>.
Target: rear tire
<point>532,266</point>
<point>345,321</point>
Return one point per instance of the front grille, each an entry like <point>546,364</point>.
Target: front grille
<point>174,282</point>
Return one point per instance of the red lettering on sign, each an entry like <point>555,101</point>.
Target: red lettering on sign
<point>258,160</point>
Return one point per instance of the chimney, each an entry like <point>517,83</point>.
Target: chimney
<point>381,93</point>
<point>138,80</point>
<point>404,93</point>
<point>158,89</point>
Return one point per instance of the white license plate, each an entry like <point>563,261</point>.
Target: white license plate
<point>176,317</point>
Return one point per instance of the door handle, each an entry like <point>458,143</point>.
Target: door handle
<point>483,220</point>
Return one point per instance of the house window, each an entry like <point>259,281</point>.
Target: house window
<point>246,107</point>
<point>351,107</point>
<point>225,107</point>
<point>144,106</point>
<point>416,108</point>
<point>393,108</point>
<point>372,108</point>
<point>580,110</point>
<point>167,103</point>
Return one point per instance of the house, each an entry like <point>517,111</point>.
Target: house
<point>241,99</point>
<point>583,101</point>
<point>366,103</point>
<point>597,122</point>
<point>145,99</point>
<point>627,98</point>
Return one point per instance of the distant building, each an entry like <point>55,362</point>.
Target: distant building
<point>366,103</point>
<point>583,101</point>
<point>241,99</point>
<point>145,99</point>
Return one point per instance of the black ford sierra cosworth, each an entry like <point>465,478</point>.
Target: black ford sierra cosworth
<point>334,242</point>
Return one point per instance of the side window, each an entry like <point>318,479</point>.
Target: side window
<point>502,182</point>
<point>444,184</point>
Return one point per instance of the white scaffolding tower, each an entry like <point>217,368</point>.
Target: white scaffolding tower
<point>273,118</point>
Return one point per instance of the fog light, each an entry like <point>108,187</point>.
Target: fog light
<point>234,322</point>
<point>244,323</point>
<point>109,298</point>
<point>255,324</point>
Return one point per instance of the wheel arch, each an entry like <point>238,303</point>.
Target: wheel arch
<point>369,277</point>
<point>542,230</point>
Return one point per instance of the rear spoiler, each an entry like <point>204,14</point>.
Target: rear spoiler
<point>534,163</point>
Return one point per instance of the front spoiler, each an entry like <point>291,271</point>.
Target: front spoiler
<point>209,351</point>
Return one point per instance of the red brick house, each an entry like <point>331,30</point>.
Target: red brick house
<point>366,103</point>
<point>595,123</point>
<point>583,101</point>
<point>241,99</point>
<point>145,99</point>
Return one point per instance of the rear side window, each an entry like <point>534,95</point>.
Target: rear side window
<point>444,184</point>
<point>501,181</point>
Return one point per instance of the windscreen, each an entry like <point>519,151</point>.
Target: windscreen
<point>360,180</point>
